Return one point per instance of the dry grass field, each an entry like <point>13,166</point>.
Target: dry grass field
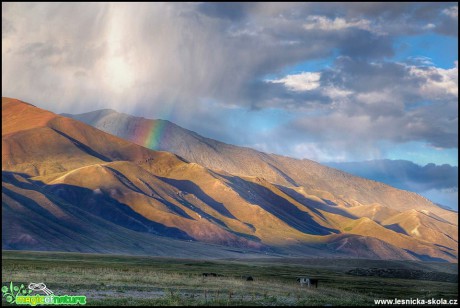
<point>127,280</point>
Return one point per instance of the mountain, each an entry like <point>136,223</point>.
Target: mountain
<point>69,186</point>
<point>34,219</point>
<point>329,184</point>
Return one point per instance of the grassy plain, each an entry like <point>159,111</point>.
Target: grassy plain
<point>134,280</point>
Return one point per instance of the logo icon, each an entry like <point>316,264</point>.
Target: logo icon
<point>10,293</point>
<point>40,287</point>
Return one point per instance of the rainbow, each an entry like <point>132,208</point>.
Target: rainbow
<point>149,133</point>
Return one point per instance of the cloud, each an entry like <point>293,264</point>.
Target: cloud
<point>404,174</point>
<point>305,81</point>
<point>438,82</point>
<point>448,26</point>
<point>226,10</point>
<point>393,18</point>
<point>365,103</point>
<point>7,28</point>
<point>439,183</point>
<point>452,12</point>
<point>327,24</point>
<point>175,54</point>
<point>420,61</point>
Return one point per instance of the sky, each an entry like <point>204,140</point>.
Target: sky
<point>332,82</point>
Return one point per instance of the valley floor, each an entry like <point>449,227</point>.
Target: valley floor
<point>134,280</point>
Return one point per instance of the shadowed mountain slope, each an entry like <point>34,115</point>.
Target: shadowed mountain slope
<point>336,186</point>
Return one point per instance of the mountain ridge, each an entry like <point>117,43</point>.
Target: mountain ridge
<point>217,155</point>
<point>52,165</point>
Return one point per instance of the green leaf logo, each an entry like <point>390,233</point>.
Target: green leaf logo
<point>13,291</point>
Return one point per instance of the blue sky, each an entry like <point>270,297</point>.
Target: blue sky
<point>325,81</point>
<point>423,154</point>
<point>441,50</point>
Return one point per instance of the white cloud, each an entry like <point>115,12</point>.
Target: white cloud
<point>375,97</point>
<point>336,24</point>
<point>336,93</point>
<point>318,152</point>
<point>305,81</point>
<point>452,12</point>
<point>422,60</point>
<point>438,82</point>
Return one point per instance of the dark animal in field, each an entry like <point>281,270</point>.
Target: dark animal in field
<point>247,278</point>
<point>310,282</point>
<point>211,275</point>
<point>314,282</point>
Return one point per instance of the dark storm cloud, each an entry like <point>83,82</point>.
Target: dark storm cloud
<point>229,10</point>
<point>436,182</point>
<point>362,125</point>
<point>448,24</point>
<point>364,45</point>
<point>404,174</point>
<point>399,18</point>
<point>263,94</point>
<point>362,76</point>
